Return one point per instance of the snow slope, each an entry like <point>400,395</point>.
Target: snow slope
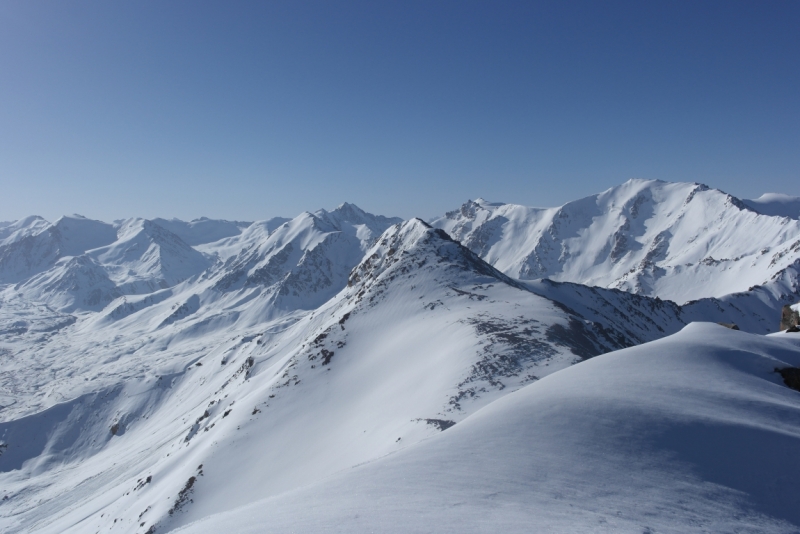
<point>677,241</point>
<point>424,334</point>
<point>73,283</point>
<point>82,265</point>
<point>776,204</point>
<point>203,230</point>
<point>300,263</point>
<point>145,257</point>
<point>15,230</point>
<point>691,433</point>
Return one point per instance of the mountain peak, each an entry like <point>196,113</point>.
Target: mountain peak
<point>414,245</point>
<point>482,202</point>
<point>346,207</point>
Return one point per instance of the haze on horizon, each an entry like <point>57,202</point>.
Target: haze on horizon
<point>254,110</point>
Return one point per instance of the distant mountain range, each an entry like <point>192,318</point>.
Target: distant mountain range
<point>162,372</point>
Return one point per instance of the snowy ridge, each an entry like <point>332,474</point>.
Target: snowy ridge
<point>303,262</point>
<point>36,245</point>
<point>145,257</point>
<point>677,241</point>
<point>81,264</point>
<point>13,231</point>
<point>203,230</point>
<point>73,283</point>
<point>609,445</point>
<point>776,204</point>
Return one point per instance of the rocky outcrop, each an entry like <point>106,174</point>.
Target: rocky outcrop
<point>789,318</point>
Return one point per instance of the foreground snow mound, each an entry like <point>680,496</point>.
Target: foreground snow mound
<point>692,433</point>
<point>677,241</point>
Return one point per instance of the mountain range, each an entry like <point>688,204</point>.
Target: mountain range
<point>499,367</point>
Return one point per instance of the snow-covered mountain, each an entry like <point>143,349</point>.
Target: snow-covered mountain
<point>82,264</point>
<point>35,246</point>
<point>73,283</point>
<point>203,230</point>
<point>146,257</point>
<point>214,371</point>
<point>300,263</point>
<point>15,230</point>
<point>678,241</point>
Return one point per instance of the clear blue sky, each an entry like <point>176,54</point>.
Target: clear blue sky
<point>249,110</point>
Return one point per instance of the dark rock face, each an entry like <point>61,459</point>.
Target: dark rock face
<point>732,326</point>
<point>441,424</point>
<point>791,377</point>
<point>789,318</point>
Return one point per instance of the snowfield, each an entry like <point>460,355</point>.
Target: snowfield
<point>691,433</point>
<point>501,368</point>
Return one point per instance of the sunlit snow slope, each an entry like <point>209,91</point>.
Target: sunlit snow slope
<point>692,433</point>
<point>677,241</point>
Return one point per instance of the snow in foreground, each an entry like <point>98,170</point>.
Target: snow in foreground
<point>692,433</point>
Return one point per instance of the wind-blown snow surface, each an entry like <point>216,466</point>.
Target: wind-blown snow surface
<point>677,241</point>
<point>691,433</point>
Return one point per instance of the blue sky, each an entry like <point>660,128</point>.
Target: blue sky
<point>248,110</point>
